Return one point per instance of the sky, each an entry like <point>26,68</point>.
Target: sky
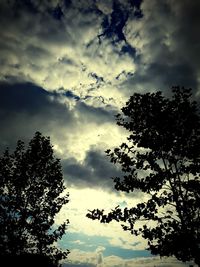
<point>66,68</point>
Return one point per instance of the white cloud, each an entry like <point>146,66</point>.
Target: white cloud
<point>77,256</point>
<point>79,242</point>
<point>145,262</point>
<point>96,258</point>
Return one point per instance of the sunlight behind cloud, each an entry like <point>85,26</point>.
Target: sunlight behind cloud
<point>86,136</point>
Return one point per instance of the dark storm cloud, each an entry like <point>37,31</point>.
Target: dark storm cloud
<point>26,108</point>
<point>187,38</point>
<point>167,46</point>
<point>95,171</point>
<point>158,76</point>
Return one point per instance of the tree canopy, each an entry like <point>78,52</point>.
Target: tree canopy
<point>31,182</point>
<point>161,158</point>
<point>24,260</point>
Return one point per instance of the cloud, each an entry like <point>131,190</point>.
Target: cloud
<point>79,242</point>
<point>94,171</point>
<point>143,47</point>
<point>99,252</point>
<point>61,52</point>
<point>26,108</point>
<point>82,258</point>
<point>113,24</point>
<point>112,260</point>
<point>98,114</point>
<point>34,54</point>
<point>72,124</point>
<point>145,262</point>
<point>166,41</point>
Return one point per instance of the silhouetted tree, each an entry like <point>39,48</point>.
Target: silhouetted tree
<point>161,158</point>
<point>31,182</point>
<point>26,260</point>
